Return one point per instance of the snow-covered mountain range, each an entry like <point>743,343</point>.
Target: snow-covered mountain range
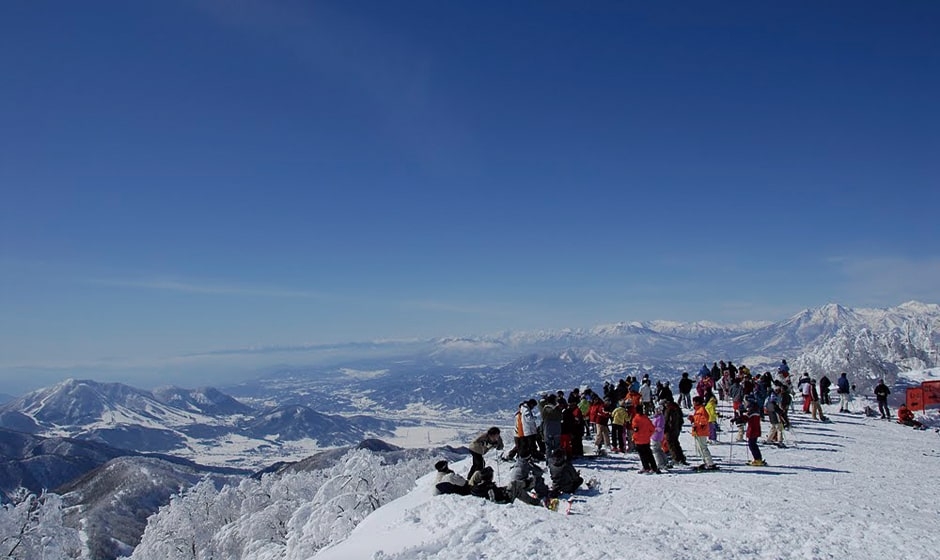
<point>493,373</point>
<point>188,423</point>
<point>402,381</point>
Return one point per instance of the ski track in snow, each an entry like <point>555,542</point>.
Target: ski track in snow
<point>851,489</point>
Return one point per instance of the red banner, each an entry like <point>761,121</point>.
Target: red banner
<point>931,393</point>
<point>915,398</point>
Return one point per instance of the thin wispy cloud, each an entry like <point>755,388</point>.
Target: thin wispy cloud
<point>209,288</point>
<point>169,284</point>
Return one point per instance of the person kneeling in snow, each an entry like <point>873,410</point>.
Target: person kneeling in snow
<point>449,482</point>
<point>482,486</point>
<point>565,479</point>
<point>525,478</point>
<point>906,417</point>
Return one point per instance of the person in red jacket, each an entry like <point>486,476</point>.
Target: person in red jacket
<point>751,419</point>
<point>642,435</point>
<point>699,421</point>
<point>906,417</point>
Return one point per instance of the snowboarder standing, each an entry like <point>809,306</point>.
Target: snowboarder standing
<point>881,394</point>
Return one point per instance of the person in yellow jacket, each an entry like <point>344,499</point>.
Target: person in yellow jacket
<point>711,405</point>
<point>699,419</point>
<point>618,419</point>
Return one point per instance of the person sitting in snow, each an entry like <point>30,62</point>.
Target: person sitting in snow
<point>565,478</point>
<point>906,417</point>
<point>524,477</point>
<point>449,482</point>
<point>482,486</point>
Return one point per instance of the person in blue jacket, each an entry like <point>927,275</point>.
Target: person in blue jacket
<point>842,387</point>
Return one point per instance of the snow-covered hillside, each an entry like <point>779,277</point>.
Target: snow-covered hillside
<point>855,488</point>
<point>858,487</point>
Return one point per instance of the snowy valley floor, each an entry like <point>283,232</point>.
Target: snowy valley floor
<point>855,488</point>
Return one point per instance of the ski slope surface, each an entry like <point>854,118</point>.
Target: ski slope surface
<point>858,487</point>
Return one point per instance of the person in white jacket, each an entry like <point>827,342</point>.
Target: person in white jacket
<point>449,482</point>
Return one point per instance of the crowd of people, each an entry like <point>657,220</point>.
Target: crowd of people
<point>637,416</point>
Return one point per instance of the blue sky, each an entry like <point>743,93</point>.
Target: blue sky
<point>186,177</point>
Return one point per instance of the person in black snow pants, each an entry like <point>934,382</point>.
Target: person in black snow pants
<point>881,394</point>
<point>489,439</point>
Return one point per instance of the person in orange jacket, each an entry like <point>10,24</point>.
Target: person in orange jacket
<point>699,420</point>
<point>642,435</point>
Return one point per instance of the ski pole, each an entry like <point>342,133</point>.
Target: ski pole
<point>731,435</point>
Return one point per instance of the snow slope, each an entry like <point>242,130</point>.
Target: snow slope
<point>858,487</point>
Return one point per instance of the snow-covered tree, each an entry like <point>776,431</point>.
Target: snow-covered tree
<point>31,528</point>
<point>289,516</point>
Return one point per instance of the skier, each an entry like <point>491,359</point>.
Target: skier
<point>773,410</point>
<point>711,405</point>
<point>881,394</point>
<point>699,421</point>
<point>752,419</point>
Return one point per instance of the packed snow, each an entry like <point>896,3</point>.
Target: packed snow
<point>858,487</point>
